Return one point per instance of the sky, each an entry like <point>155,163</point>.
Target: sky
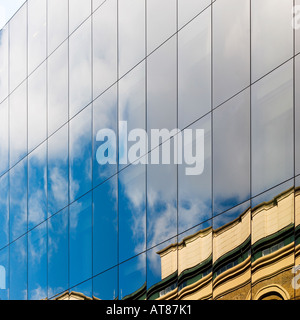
<point>7,9</point>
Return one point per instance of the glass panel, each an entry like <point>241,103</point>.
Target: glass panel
<point>161,22</point>
<point>194,69</point>
<point>162,87</point>
<point>58,17</point>
<point>188,9</point>
<point>195,190</point>
<point>231,149</point>
<point>132,111</point>
<point>79,10</point>
<point>37,182</point>
<point>297,237</point>
<point>231,43</point>
<point>105,113</point>
<point>131,33</point>
<point>272,129</point>
<point>105,285</point>
<point>82,292</point>
<point>36,33</point>
<point>194,252</point>
<point>97,3</point>
<point>80,154</point>
<point>58,88</point>
<point>4,52</point>
<point>37,107</point>
<point>37,263</point>
<point>58,181</point>
<point>231,254</point>
<point>18,124</point>
<point>58,253</point>
<point>132,211</point>
<point>105,226</point>
<point>4,136</point>
<point>4,212</point>
<point>104,47</point>
<point>161,201</point>
<point>80,240</point>
<point>273,243</point>
<point>80,66</point>
<point>297,115</point>
<point>18,269</point>
<point>18,48</point>
<point>4,274</point>
<point>132,275</point>
<point>18,200</point>
<point>297,26</point>
<point>272,35</point>
<point>162,271</point>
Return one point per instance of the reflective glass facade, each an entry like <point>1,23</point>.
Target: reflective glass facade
<point>73,228</point>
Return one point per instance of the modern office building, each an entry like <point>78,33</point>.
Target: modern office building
<point>72,227</point>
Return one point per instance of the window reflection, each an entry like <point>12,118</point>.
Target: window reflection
<point>4,211</point>
<point>161,22</point>
<point>162,271</point>
<point>297,115</point>
<point>272,129</point>
<point>58,171</point>
<point>131,33</point>
<point>80,76</point>
<point>231,53</point>
<point>105,285</point>
<point>18,269</point>
<point>188,9</point>
<point>272,35</point>
<point>297,229</point>
<point>194,69</point>
<point>36,33</point>
<point>231,160</point>
<point>37,180</point>
<point>132,211</point>
<point>194,251</point>
<point>79,10</point>
<point>58,17</point>
<point>4,53</point>
<point>105,112</point>
<point>97,3</point>
<point>297,25</point>
<point>273,240</point>
<point>4,274</point>
<point>58,88</point>
<point>80,240</point>
<point>37,107</point>
<point>18,200</point>
<point>133,279</point>
<point>105,226</point>
<point>37,263</point>
<point>104,47</point>
<point>162,87</point>
<point>4,136</point>
<point>194,191</point>
<point>18,48</point>
<point>80,154</point>
<point>58,253</point>
<point>231,253</point>
<point>18,124</point>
